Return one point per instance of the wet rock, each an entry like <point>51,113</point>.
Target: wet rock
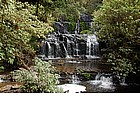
<point>8,87</point>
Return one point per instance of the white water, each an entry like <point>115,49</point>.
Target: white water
<point>92,47</point>
<point>102,81</point>
<point>69,51</point>
<point>75,79</point>
<point>73,61</point>
<point>76,50</point>
<point>72,88</point>
<point>49,50</point>
<point>77,28</point>
<point>58,48</point>
<point>67,55</point>
<point>70,46</point>
<point>1,80</point>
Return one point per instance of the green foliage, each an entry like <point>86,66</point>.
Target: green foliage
<point>92,5</point>
<point>85,28</point>
<point>86,32</point>
<point>117,23</point>
<point>41,78</point>
<point>63,10</point>
<point>69,11</point>
<point>87,76</point>
<point>18,26</point>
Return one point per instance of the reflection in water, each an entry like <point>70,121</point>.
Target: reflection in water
<point>69,66</point>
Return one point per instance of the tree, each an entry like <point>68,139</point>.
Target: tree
<point>18,26</point>
<point>117,23</point>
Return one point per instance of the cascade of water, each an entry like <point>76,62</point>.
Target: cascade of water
<point>74,79</point>
<point>58,50</point>
<point>103,81</point>
<point>88,45</point>
<point>97,76</point>
<point>66,52</point>
<point>69,45</point>
<point>77,28</point>
<point>92,46</point>
<point>106,79</point>
<point>76,49</point>
<point>49,50</point>
<point>69,50</point>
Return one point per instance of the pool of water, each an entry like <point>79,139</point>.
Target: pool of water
<point>102,82</point>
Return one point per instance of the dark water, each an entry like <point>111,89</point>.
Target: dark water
<point>71,65</point>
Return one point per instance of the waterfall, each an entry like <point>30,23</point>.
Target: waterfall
<point>77,28</point>
<point>92,47</point>
<point>97,77</point>
<point>66,52</point>
<point>103,80</point>
<point>58,50</point>
<point>70,45</point>
<point>76,50</point>
<point>49,50</point>
<point>69,50</point>
<point>104,77</point>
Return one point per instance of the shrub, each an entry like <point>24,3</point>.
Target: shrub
<point>40,78</point>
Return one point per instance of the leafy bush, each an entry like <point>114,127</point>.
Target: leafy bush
<point>117,23</point>
<point>41,78</point>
